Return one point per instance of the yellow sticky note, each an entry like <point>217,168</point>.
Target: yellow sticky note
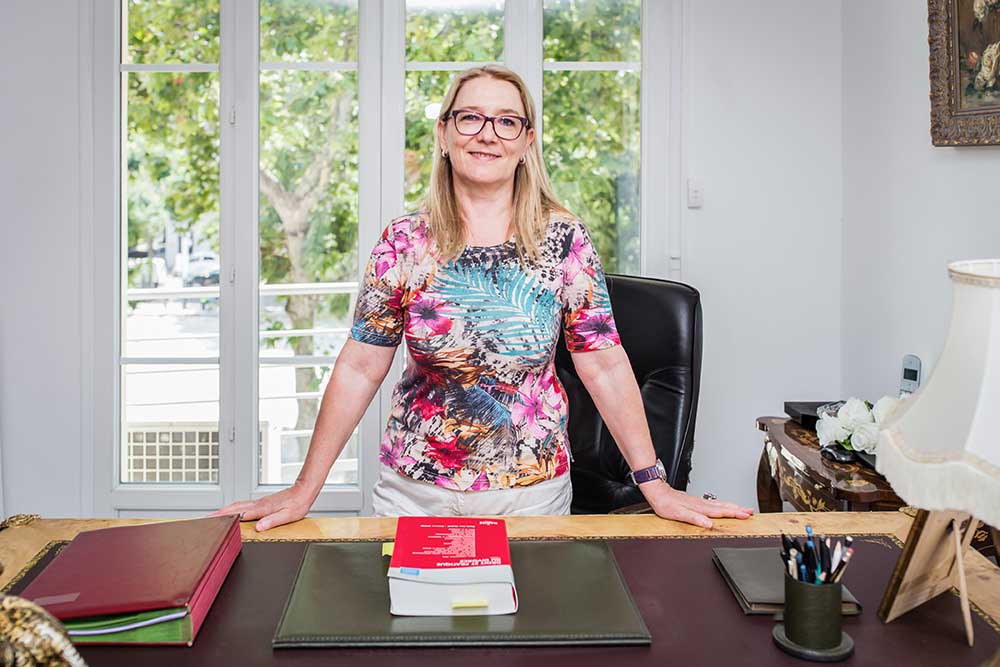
<point>467,604</point>
<point>387,548</point>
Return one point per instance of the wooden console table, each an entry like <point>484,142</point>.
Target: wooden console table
<point>792,470</point>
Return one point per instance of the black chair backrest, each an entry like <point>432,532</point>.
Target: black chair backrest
<point>659,322</point>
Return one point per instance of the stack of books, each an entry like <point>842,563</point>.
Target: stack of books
<point>451,567</point>
<point>145,584</point>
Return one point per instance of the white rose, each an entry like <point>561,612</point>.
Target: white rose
<point>830,430</point>
<point>883,408</point>
<point>979,9</point>
<point>853,413</point>
<point>865,438</point>
<point>989,61</point>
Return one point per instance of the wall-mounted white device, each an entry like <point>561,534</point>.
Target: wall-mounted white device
<point>695,194</point>
<point>910,379</point>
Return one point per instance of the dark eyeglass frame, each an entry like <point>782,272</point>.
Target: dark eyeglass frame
<point>453,115</point>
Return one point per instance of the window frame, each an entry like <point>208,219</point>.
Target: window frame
<point>381,68</point>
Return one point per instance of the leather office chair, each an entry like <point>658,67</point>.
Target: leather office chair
<point>659,322</point>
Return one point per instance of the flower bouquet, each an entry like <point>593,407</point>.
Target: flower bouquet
<point>853,427</point>
<point>981,70</point>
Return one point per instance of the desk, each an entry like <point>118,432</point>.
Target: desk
<point>19,543</point>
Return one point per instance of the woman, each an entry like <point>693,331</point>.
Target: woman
<point>479,281</point>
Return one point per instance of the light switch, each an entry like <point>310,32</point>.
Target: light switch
<point>695,195</point>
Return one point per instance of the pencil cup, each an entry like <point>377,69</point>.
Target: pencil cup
<point>812,627</point>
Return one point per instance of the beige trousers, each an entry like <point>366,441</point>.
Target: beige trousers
<point>397,495</point>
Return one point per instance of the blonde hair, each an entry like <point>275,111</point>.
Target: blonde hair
<point>534,200</point>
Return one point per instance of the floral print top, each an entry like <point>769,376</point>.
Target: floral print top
<point>479,405</point>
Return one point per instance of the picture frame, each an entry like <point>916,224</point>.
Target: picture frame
<point>931,563</point>
<point>964,40</point>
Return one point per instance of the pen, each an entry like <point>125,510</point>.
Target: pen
<point>791,568</point>
<point>824,556</point>
<point>835,561</point>
<point>812,542</point>
<point>802,570</point>
<point>812,561</point>
<point>839,574</point>
<point>787,543</point>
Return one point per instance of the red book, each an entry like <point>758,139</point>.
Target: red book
<point>147,584</point>
<point>451,567</point>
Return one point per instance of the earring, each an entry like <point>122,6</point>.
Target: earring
<point>444,154</point>
<point>521,160</point>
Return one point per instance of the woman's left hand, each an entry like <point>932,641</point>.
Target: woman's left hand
<point>670,503</point>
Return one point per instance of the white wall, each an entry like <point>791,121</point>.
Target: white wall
<point>763,137</point>
<point>762,132</point>
<point>40,325</point>
<point>909,207</point>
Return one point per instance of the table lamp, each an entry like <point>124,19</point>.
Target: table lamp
<point>940,448</point>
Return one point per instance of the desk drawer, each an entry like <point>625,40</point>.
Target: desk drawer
<point>802,492</point>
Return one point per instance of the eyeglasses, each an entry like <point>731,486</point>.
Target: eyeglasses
<point>471,123</point>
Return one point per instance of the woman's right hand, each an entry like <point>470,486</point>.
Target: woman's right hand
<point>277,509</point>
<point>357,374</point>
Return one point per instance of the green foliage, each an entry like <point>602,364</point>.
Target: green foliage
<point>591,144</point>
<point>298,126</point>
<point>592,30</point>
<point>422,89</point>
<point>178,31</point>
<point>308,30</point>
<point>458,34</point>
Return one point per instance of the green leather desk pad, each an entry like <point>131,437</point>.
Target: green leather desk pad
<point>690,612</point>
<point>570,592</point>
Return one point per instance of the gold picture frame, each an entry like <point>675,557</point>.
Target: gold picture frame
<point>964,39</point>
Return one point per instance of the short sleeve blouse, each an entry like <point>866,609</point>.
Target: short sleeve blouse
<point>479,405</point>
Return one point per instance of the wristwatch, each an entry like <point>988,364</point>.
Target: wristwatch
<point>649,474</point>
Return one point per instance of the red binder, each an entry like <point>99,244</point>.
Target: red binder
<point>114,575</point>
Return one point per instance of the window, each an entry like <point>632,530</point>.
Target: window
<point>170,219</point>
<point>308,221</point>
<point>592,52</point>
<point>258,151</point>
<point>441,39</point>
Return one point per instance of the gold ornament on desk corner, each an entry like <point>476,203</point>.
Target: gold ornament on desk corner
<point>29,635</point>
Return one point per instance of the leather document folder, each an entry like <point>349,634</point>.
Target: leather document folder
<point>758,582</point>
<point>145,584</point>
<point>571,592</point>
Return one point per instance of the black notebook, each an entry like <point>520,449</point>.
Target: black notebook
<point>570,592</point>
<point>758,582</point>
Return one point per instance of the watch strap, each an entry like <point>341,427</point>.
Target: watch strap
<point>646,474</point>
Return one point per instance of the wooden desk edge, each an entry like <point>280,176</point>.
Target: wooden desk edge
<point>18,544</point>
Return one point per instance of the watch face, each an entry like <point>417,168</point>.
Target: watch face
<point>660,470</point>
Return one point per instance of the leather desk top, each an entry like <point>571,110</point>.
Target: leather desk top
<point>689,610</point>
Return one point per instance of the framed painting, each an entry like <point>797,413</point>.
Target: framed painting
<point>964,72</point>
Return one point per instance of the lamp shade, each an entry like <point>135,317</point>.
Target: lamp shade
<point>940,448</point>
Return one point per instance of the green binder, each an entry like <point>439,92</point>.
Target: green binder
<point>570,592</point>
